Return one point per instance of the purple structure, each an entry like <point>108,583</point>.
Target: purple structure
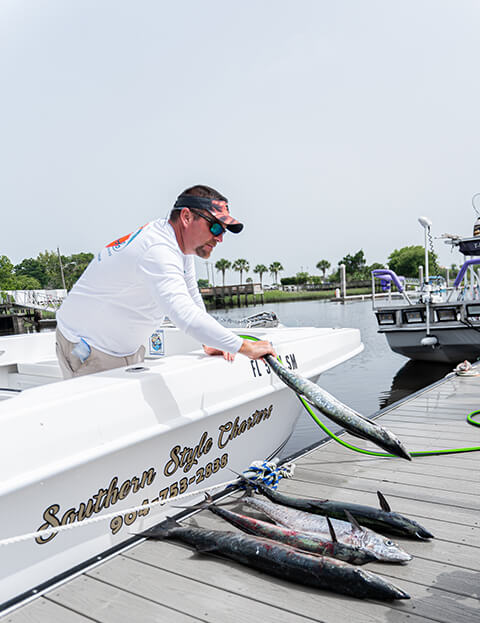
<point>463,270</point>
<point>389,275</point>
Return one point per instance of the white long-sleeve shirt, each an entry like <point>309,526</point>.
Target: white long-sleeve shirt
<point>128,289</point>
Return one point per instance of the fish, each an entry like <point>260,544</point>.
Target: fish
<point>349,532</point>
<point>381,519</point>
<point>338,412</point>
<point>281,560</point>
<point>313,543</point>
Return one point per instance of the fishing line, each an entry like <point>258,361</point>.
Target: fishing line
<point>470,419</point>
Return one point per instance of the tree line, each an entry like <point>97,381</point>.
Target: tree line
<point>242,266</point>
<point>405,262</point>
<point>43,272</point>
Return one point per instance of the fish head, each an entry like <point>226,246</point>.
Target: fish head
<point>378,587</point>
<point>408,527</point>
<point>384,548</point>
<point>423,533</point>
<point>392,444</point>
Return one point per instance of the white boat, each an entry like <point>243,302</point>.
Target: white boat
<point>435,322</point>
<point>101,445</point>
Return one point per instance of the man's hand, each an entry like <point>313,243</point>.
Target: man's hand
<point>256,350</point>
<point>215,352</point>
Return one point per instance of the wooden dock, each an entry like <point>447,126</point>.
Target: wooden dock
<point>165,581</point>
<point>222,296</point>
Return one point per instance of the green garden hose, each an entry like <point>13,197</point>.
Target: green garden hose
<point>313,415</point>
<point>470,420</point>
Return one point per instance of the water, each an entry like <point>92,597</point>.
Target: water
<point>368,382</point>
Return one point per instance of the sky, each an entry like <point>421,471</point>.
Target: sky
<point>330,125</point>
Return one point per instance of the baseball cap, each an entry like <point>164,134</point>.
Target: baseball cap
<point>217,208</point>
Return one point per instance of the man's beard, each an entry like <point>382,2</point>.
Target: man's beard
<point>203,251</point>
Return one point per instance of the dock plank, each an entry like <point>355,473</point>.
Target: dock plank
<point>420,467</point>
<point>333,452</point>
<point>458,439</point>
<point>200,597</point>
<point>44,610</point>
<point>379,476</point>
<point>110,604</point>
<point>416,443</point>
<point>441,416</point>
<point>428,572</point>
<point>402,423</point>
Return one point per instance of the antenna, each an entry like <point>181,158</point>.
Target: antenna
<point>61,268</point>
<point>426,222</point>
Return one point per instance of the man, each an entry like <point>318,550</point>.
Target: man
<point>134,282</point>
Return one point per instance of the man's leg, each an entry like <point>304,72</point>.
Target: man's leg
<point>64,352</point>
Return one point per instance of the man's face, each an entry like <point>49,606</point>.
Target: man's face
<point>203,241</point>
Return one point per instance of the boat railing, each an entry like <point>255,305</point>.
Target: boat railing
<point>469,264</point>
<point>49,300</point>
<point>465,288</point>
<point>387,278</point>
<point>467,282</point>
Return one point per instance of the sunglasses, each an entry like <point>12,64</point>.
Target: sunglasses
<point>215,228</point>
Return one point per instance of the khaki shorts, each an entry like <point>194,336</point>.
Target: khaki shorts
<point>97,361</point>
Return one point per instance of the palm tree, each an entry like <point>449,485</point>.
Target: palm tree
<point>260,269</point>
<point>222,265</point>
<point>241,265</point>
<point>323,265</point>
<point>275,268</point>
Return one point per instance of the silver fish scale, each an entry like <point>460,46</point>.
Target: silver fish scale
<point>298,520</point>
<point>339,412</point>
<point>383,548</point>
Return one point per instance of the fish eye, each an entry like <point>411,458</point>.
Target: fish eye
<point>389,543</point>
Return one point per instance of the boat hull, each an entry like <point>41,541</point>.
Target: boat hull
<point>454,345</point>
<point>98,447</point>
<point>149,470</point>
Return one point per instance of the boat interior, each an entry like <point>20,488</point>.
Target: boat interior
<point>29,360</point>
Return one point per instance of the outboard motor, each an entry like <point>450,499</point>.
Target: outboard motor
<point>262,319</point>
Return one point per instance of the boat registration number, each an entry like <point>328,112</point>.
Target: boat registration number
<point>258,365</point>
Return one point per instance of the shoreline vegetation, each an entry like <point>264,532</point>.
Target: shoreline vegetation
<point>280,296</point>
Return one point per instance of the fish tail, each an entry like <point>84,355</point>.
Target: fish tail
<point>246,481</point>
<point>162,530</point>
<point>249,490</point>
<point>203,505</point>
